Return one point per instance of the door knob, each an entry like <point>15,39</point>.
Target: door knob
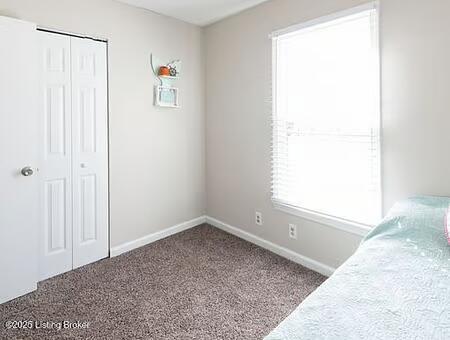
<point>27,171</point>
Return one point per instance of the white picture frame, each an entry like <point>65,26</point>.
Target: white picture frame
<point>166,96</point>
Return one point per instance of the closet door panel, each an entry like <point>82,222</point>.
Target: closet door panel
<point>55,241</point>
<point>90,151</point>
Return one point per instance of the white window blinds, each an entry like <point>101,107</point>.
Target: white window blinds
<point>326,138</point>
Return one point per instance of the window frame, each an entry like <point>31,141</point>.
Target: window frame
<point>315,216</point>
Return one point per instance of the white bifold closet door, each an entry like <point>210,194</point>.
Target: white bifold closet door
<point>73,92</point>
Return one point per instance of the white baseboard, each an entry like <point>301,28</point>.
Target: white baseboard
<point>279,250</point>
<point>123,248</point>
<point>284,252</point>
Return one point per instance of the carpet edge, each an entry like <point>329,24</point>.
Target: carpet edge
<point>150,238</point>
<point>305,261</point>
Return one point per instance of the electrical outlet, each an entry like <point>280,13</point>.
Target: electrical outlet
<point>293,231</point>
<point>258,218</point>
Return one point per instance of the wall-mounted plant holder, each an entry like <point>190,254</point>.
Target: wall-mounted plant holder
<point>166,95</point>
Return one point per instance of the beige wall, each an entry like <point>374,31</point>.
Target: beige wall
<point>415,60</point>
<point>157,156</point>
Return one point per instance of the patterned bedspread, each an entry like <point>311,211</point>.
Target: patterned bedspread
<point>396,286</point>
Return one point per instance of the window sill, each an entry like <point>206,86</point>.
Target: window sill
<point>331,221</point>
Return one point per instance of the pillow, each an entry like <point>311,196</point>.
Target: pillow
<point>447,225</point>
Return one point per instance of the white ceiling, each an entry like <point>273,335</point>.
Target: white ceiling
<point>198,12</point>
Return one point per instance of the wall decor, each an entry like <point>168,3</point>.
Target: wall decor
<point>165,94</point>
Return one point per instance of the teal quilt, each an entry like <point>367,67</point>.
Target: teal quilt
<point>396,286</point>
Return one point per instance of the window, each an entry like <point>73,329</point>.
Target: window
<point>326,128</point>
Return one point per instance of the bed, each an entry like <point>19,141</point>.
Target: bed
<point>396,285</point>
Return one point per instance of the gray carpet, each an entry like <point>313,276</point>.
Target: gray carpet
<point>199,284</point>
